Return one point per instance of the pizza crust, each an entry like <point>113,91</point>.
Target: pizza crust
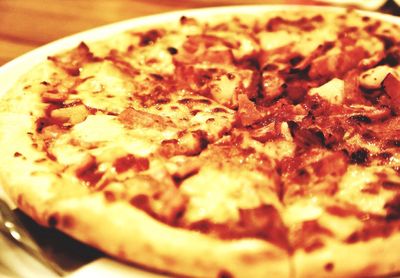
<point>138,237</point>
<point>376,257</point>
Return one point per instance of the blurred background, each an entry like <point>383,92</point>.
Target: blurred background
<point>27,24</point>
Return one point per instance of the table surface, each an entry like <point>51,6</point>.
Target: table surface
<point>27,24</point>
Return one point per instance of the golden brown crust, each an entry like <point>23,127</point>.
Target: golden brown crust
<point>139,238</point>
<point>377,257</point>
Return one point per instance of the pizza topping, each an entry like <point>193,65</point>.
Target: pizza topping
<point>393,208</point>
<point>70,115</point>
<point>336,65</point>
<point>332,91</point>
<point>129,161</point>
<point>309,236</point>
<point>391,85</point>
<point>373,78</point>
<point>135,118</point>
<point>306,24</point>
<point>247,111</point>
<point>373,228</point>
<point>89,171</point>
<point>167,206</point>
<point>72,61</point>
<point>329,267</point>
<point>359,157</point>
<point>54,97</point>
<point>150,37</point>
<point>261,222</point>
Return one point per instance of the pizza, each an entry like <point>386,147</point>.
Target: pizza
<point>227,146</point>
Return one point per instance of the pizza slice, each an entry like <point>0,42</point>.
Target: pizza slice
<point>334,206</point>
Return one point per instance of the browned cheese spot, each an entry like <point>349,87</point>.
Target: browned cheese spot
<point>224,274</point>
<point>329,267</point>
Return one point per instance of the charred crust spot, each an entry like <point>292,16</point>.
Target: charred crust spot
<point>178,179</point>
<point>205,101</point>
<point>183,19</point>
<point>390,185</point>
<point>329,267</point>
<point>187,20</point>
<point>270,67</point>
<point>393,143</point>
<point>17,154</point>
<point>359,157</point>
<point>230,76</point>
<point>361,119</point>
<point>295,60</point>
<point>150,37</point>
<point>224,274</point>
<point>393,209</point>
<point>157,76</point>
<point>40,124</point>
<point>385,155</point>
<point>172,50</point>
<point>366,18</point>
<point>53,220</point>
<point>202,137</point>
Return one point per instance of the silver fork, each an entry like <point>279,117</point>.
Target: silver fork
<point>14,230</point>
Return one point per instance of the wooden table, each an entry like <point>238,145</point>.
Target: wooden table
<point>27,24</point>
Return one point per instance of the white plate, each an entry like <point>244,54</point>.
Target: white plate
<point>12,71</point>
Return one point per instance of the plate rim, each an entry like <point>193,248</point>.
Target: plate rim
<point>13,70</point>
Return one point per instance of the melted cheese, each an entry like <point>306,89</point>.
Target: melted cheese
<point>106,87</point>
<point>355,180</point>
<point>217,194</point>
<point>274,40</point>
<point>342,227</point>
<point>92,129</point>
<point>279,149</point>
<point>303,210</point>
<point>90,134</point>
<point>332,91</point>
